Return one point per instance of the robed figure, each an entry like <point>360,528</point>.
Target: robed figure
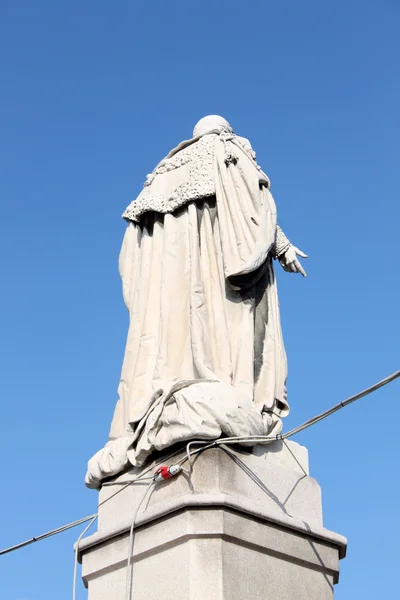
<point>204,355</point>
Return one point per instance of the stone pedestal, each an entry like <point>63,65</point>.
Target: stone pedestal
<point>246,525</point>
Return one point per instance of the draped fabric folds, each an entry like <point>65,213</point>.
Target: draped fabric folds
<point>204,354</point>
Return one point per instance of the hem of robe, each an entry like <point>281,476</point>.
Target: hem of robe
<point>189,410</point>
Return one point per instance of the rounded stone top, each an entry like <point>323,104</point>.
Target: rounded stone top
<point>211,123</point>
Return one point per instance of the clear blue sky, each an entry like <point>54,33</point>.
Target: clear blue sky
<point>94,93</point>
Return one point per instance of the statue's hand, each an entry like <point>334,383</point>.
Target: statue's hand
<point>290,262</point>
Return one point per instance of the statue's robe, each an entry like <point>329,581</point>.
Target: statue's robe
<point>204,355</point>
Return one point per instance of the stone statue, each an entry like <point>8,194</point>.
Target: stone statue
<point>204,355</point>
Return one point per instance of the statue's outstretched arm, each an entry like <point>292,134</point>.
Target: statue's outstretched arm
<point>287,254</point>
<point>282,249</point>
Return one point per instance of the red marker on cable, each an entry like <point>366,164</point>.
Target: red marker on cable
<point>167,472</point>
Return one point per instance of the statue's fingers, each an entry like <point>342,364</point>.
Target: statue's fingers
<point>300,269</point>
<point>300,252</point>
<point>286,267</point>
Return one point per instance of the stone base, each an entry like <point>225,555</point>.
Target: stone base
<point>245,525</point>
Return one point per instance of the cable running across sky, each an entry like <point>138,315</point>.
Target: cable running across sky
<point>175,470</point>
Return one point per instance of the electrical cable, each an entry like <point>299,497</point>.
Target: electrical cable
<point>346,402</point>
<point>206,445</point>
<point>76,553</point>
<point>43,536</point>
<point>310,422</point>
<point>215,443</point>
<point>295,458</point>
<point>166,458</point>
<point>129,563</point>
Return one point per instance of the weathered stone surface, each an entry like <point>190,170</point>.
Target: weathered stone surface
<point>245,526</point>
